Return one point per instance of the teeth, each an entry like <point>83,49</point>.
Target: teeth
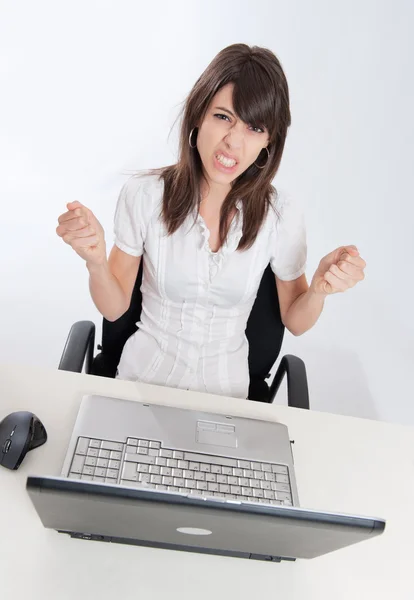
<point>227,162</point>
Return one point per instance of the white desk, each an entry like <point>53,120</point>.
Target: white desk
<point>342,463</point>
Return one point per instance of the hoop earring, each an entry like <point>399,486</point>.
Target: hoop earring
<point>268,156</point>
<point>190,136</point>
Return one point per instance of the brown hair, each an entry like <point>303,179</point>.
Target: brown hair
<point>260,98</point>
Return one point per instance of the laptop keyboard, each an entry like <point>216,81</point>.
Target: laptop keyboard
<point>146,463</point>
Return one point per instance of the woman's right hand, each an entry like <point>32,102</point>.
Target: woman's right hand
<point>79,228</point>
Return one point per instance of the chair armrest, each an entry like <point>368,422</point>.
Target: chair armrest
<point>79,348</point>
<point>297,383</point>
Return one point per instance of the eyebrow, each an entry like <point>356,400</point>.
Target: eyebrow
<point>225,110</point>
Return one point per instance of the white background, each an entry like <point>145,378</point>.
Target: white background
<point>89,93</point>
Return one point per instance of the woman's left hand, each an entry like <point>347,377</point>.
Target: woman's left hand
<point>338,271</point>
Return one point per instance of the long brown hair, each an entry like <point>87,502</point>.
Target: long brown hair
<point>260,98</point>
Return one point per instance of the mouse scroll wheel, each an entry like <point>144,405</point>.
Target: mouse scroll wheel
<point>6,446</point>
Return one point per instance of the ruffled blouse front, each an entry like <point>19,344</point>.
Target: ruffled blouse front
<point>196,302</point>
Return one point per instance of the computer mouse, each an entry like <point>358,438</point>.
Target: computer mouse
<point>19,432</point>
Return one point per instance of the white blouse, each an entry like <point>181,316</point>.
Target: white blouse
<point>195,302</point>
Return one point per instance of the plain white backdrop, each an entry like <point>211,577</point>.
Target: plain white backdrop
<point>89,93</point>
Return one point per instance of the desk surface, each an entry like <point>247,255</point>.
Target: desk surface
<point>342,463</point>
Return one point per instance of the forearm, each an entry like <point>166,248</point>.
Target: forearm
<point>106,291</point>
<point>304,312</point>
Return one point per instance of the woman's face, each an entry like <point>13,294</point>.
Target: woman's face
<point>228,146</point>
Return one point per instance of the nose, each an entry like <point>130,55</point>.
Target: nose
<point>235,137</point>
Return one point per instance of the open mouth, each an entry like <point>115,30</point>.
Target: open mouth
<point>227,163</point>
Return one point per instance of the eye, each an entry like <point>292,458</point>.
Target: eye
<point>257,129</point>
<point>222,117</point>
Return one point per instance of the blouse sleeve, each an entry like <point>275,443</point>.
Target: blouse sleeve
<point>131,217</point>
<point>289,246</point>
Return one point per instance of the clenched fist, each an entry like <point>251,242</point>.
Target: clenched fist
<point>338,271</point>
<point>79,228</point>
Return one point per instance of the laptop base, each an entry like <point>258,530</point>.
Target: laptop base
<point>165,546</point>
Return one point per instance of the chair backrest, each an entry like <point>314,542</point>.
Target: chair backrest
<point>264,330</point>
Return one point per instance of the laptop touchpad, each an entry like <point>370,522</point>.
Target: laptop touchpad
<point>217,434</point>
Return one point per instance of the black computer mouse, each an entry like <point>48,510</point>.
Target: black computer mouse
<point>19,432</point>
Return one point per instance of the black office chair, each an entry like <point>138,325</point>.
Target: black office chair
<point>264,332</point>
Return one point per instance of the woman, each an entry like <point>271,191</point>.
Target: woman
<point>207,227</point>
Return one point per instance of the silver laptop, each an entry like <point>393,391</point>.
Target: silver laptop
<point>181,479</point>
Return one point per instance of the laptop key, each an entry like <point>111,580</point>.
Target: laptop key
<point>116,455</point>
<point>218,460</point>
<point>216,469</point>
<point>166,480</point>
<point>112,473</point>
<point>191,484</point>
<point>132,441</point>
<point>138,458</point>
<point>269,476</point>
<point>211,478</point>
<point>93,452</point>
<point>155,445</point>
<point>82,445</point>
<point>166,453</point>
<point>88,471</point>
<point>166,471</point>
<point>279,469</point>
<point>143,468</point>
<point>282,496</point>
<point>112,446</point>
<point>213,487</point>
<point>143,443</point>
<point>95,444</point>
<point>114,464</point>
<point>129,471</point>
<point>130,448</point>
<point>103,454</point>
<point>142,450</point>
<point>282,478</point>
<point>281,487</point>
<point>156,479</point>
<point>100,472</point>
<point>91,461</point>
<point>265,485</point>
<point>162,462</point>
<point>224,488</point>
<point>77,464</point>
<point>243,464</point>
